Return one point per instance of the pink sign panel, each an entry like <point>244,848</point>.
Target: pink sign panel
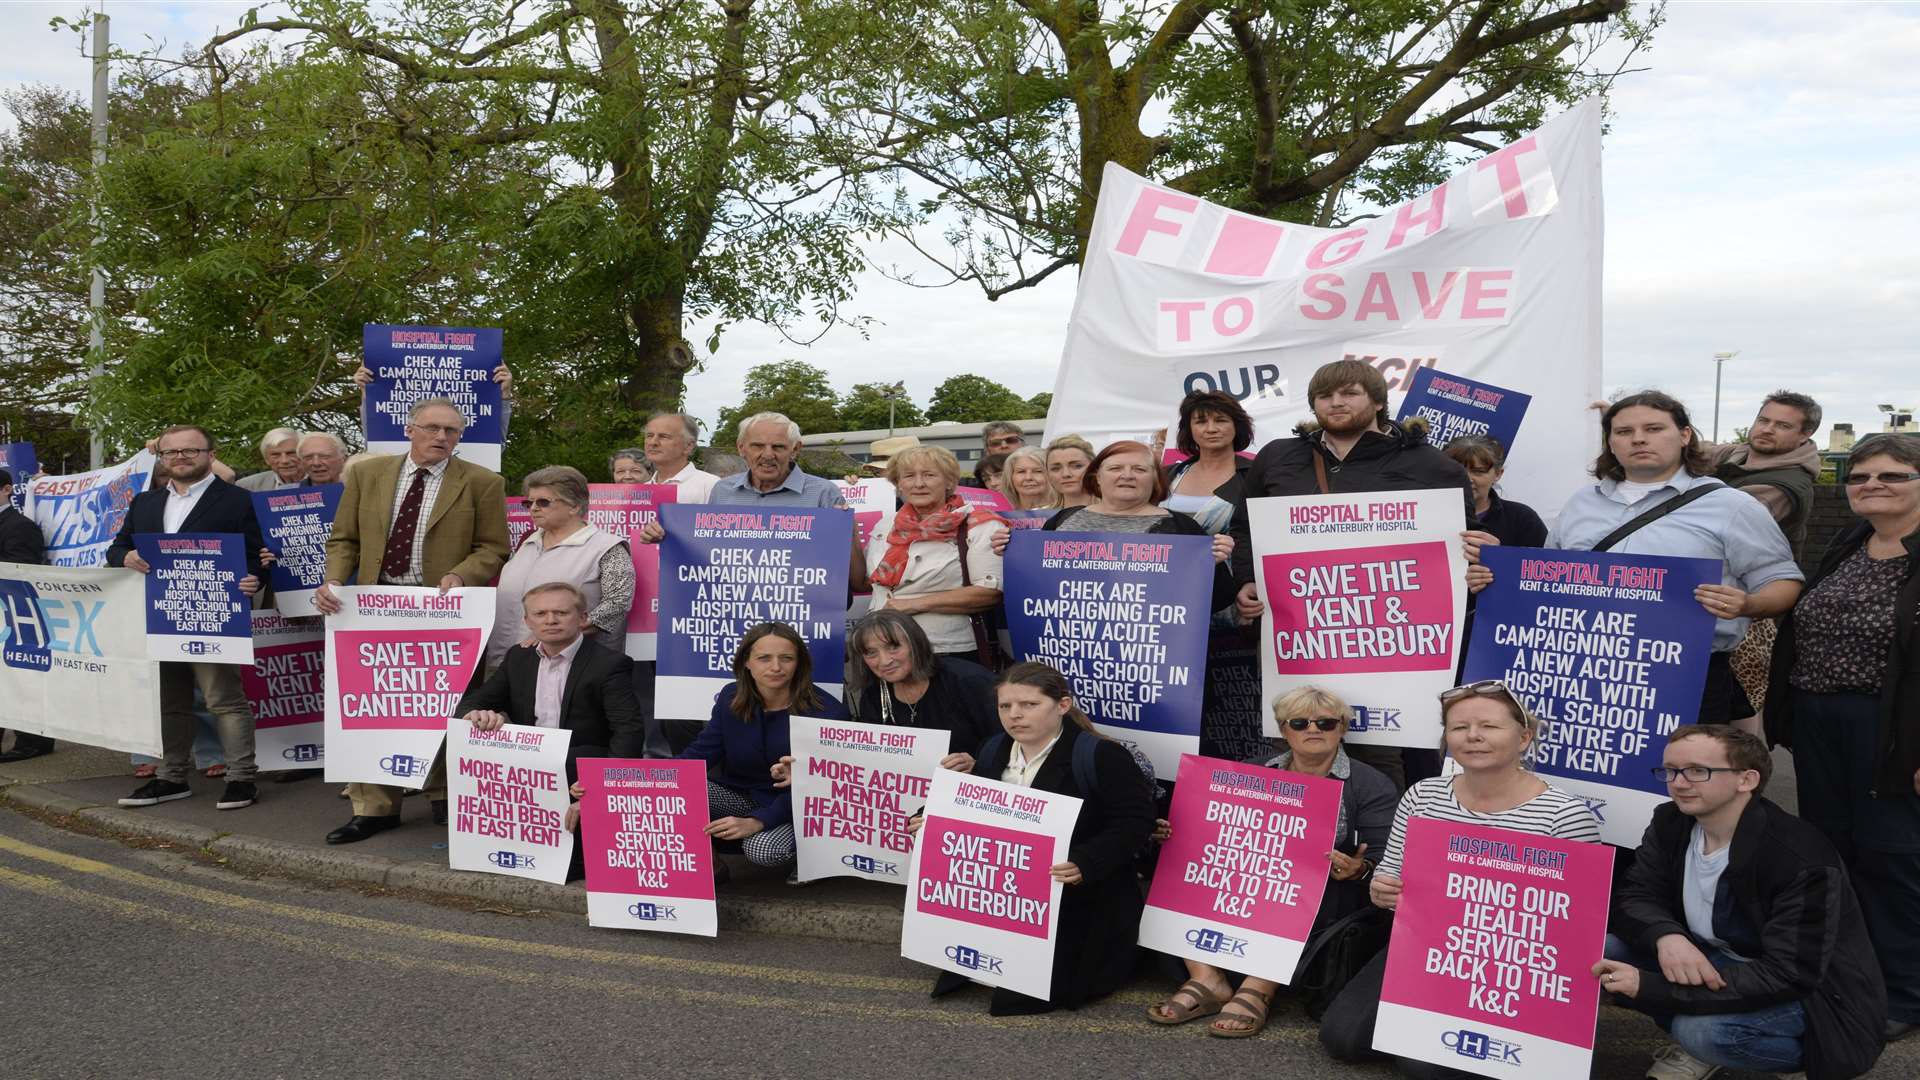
<point>403,680</point>
<point>643,834</point>
<point>986,875</point>
<point>992,500</point>
<point>1361,609</point>
<point>623,509</point>
<point>518,523</point>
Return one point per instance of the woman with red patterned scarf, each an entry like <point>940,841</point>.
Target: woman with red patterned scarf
<point>933,558</point>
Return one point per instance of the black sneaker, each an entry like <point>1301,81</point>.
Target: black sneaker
<point>155,792</point>
<point>238,796</point>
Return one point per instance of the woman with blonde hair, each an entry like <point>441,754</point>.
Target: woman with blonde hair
<point>1025,482</point>
<point>933,558</point>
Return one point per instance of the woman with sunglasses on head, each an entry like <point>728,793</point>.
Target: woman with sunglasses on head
<point>563,547</point>
<point>1844,693</point>
<point>1488,733</point>
<point>1312,722</point>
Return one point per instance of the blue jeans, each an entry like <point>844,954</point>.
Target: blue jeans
<point>1765,1040</point>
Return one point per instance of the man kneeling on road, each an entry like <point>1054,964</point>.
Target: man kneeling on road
<point>1738,931</point>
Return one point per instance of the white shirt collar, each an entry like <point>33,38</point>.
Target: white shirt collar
<point>435,469</point>
<point>567,653</point>
<point>1018,759</point>
<point>193,490</point>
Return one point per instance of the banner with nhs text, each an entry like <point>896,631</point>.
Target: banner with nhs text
<point>855,787</point>
<point>398,659</point>
<point>1490,969</point>
<point>79,515</point>
<point>1610,652</point>
<point>725,569</point>
<point>73,657</point>
<point>1124,617</point>
<point>507,801</point>
<point>411,364</point>
<point>1364,594</point>
<point>1493,275</point>
<point>285,691</point>
<point>643,834</point>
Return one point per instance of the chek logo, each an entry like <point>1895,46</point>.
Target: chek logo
<point>510,860</point>
<point>305,751</point>
<point>973,959</point>
<point>869,865</point>
<point>200,648</point>
<point>651,912</point>
<point>1595,805</point>
<point>1207,939</point>
<point>1480,1046</point>
<point>405,765</point>
<point>1374,718</point>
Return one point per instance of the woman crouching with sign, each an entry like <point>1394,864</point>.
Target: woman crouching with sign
<point>1048,744</point>
<point>748,734</point>
<point>1312,722</point>
<point>1487,733</point>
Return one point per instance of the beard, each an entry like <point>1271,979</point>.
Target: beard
<point>1351,423</point>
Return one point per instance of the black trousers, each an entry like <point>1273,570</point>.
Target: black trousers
<point>27,740</point>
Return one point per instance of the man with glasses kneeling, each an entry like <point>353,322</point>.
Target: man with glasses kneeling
<point>1737,930</point>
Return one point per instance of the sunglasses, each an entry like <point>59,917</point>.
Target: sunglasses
<point>1890,479</point>
<point>1324,723</point>
<point>1483,688</point>
<point>542,504</point>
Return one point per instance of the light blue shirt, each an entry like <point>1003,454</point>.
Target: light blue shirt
<point>798,489</point>
<point>1728,525</point>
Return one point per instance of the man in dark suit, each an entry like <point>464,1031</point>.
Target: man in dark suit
<point>20,542</point>
<point>195,500</point>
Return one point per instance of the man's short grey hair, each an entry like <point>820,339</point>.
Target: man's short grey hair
<point>428,403</point>
<point>1001,427</point>
<point>687,422</point>
<point>793,429</point>
<point>1805,403</point>
<point>339,444</point>
<point>277,436</point>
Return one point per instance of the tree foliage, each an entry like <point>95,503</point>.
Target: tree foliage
<point>866,407</point>
<point>976,399</point>
<point>795,388</point>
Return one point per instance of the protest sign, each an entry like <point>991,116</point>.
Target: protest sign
<point>649,859</point>
<point>724,569</point>
<point>1364,596</point>
<point>79,515</point>
<point>1027,519</point>
<point>286,692</point>
<point>870,499</point>
<point>623,509</point>
<point>1240,880</point>
<point>296,523</point>
<point>507,801</point>
<point>195,609</point>
<point>411,364</point>
<point>1494,275</point>
<point>519,522</point>
<point>1124,617</point>
<point>982,498</point>
<point>1230,713</point>
<point>981,897</point>
<point>398,659</point>
<point>854,788</point>
<point>1490,968</point>
<point>1453,405</point>
<point>21,463</point>
<point>1610,652</point>
<point>73,657</point>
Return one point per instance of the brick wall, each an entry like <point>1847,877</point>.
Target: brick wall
<point>1830,517</point>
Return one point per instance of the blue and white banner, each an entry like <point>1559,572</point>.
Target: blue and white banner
<point>1124,617</point>
<point>73,657</point>
<point>725,569</point>
<point>195,609</point>
<point>1454,406</point>
<point>1610,652</point>
<point>413,363</point>
<point>21,463</point>
<point>296,522</point>
<point>80,514</point>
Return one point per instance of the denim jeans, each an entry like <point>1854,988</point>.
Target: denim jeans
<point>1765,1040</point>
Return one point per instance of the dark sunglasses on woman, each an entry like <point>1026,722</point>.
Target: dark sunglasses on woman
<point>1324,723</point>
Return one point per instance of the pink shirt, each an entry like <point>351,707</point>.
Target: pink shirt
<point>551,682</point>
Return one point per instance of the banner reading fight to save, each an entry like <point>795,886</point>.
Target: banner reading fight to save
<point>1364,596</point>
<point>296,523</point>
<point>1610,652</point>
<point>73,657</point>
<point>622,510</point>
<point>195,609</point>
<point>21,463</point>
<point>1454,406</point>
<point>507,801</point>
<point>79,515</point>
<point>643,827</point>
<point>1494,275</point>
<point>855,787</point>
<point>1124,617</point>
<point>413,363</point>
<point>1240,879</point>
<point>725,569</point>
<point>286,693</point>
<point>398,659</point>
<point>1490,969</point>
<point>981,897</point>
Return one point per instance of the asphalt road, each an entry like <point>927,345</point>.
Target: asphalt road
<point>127,960</point>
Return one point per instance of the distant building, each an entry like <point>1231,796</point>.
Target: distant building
<point>963,439</point>
<point>1840,439</point>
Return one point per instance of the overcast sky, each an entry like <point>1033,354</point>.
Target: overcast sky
<point>1760,184</point>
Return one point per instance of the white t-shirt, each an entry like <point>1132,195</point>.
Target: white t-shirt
<point>1703,882</point>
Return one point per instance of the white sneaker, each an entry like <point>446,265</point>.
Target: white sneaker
<point>1674,1063</point>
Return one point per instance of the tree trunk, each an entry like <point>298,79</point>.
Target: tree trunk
<point>662,358</point>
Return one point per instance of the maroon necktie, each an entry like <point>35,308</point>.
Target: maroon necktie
<point>399,557</point>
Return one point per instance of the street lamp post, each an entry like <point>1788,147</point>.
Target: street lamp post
<point>1719,360</point>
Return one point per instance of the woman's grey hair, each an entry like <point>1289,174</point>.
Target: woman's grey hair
<point>567,483</point>
<point>629,454</point>
<point>1902,447</point>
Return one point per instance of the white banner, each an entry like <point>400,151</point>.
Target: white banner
<point>285,691</point>
<point>854,788</point>
<point>398,659</point>
<point>981,897</point>
<point>73,657</point>
<point>1365,594</point>
<point>79,515</point>
<point>1493,275</point>
<point>507,801</point>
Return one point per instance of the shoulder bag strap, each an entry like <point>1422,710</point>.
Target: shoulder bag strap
<point>1320,469</point>
<point>1697,491</point>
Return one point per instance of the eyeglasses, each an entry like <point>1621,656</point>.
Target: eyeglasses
<point>1698,774</point>
<point>542,504</point>
<point>1887,478</point>
<point>187,451</point>
<point>1324,723</point>
<point>437,429</point>
<point>1483,688</point>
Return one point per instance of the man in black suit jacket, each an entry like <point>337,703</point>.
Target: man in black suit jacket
<point>195,500</point>
<point>20,542</point>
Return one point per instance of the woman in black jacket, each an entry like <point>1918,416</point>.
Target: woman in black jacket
<point>897,678</point>
<point>1099,921</point>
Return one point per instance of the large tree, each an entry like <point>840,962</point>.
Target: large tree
<point>796,389</point>
<point>976,399</point>
<point>876,406</point>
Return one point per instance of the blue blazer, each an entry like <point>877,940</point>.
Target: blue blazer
<point>740,754</point>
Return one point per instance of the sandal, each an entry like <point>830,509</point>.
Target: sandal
<point>215,772</point>
<point>145,772</point>
<point>1256,1005</point>
<point>1171,1012</point>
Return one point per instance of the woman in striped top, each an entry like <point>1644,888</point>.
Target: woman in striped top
<point>1488,733</point>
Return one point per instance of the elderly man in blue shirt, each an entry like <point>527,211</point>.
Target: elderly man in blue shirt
<point>1650,459</point>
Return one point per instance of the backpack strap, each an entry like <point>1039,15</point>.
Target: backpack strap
<point>1697,491</point>
<point>991,747</point>
<point>1083,773</point>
